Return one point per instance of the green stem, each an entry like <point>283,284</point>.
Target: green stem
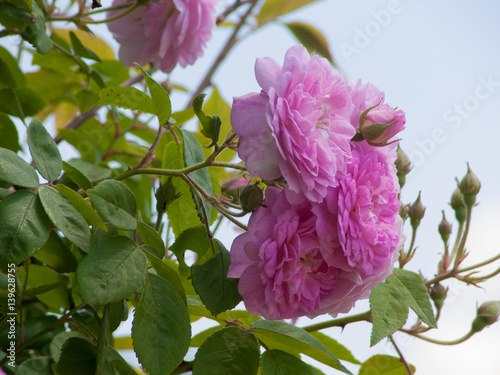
<point>457,240</point>
<point>339,322</point>
<point>484,263</point>
<point>401,357</point>
<point>461,247</point>
<point>439,342</point>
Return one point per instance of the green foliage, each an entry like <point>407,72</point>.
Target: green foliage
<point>391,300</point>
<point>296,339</point>
<point>126,97</point>
<point>116,203</point>
<point>43,149</point>
<point>16,171</point>
<point>26,229</point>
<point>383,365</point>
<point>65,216</point>
<point>276,8</point>
<point>112,270</point>
<point>218,292</point>
<point>277,362</point>
<point>311,38</point>
<point>161,329</point>
<point>211,124</point>
<point>228,351</point>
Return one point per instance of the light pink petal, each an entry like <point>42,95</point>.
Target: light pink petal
<point>268,73</point>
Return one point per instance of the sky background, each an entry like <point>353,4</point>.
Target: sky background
<point>440,63</point>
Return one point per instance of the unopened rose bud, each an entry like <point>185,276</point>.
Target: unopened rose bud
<point>487,314</point>
<point>416,212</point>
<point>403,211</point>
<point>438,294</point>
<point>378,125</point>
<point>444,229</point>
<point>458,205</point>
<point>469,187</point>
<point>403,166</point>
<point>251,197</point>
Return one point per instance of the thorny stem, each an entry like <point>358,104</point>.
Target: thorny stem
<point>401,357</point>
<point>231,42</point>
<point>339,322</point>
<point>406,257</point>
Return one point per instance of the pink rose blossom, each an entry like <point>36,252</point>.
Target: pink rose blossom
<point>298,125</point>
<point>287,270</point>
<point>360,217</point>
<point>166,33</point>
<point>377,122</point>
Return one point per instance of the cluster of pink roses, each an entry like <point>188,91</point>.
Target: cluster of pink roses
<point>333,232</point>
<point>165,33</point>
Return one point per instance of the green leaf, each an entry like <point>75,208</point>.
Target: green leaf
<point>161,329</point>
<point>217,104</point>
<point>43,149</point>
<point>35,366</point>
<point>21,102</point>
<point>116,203</point>
<point>278,362</point>
<point>160,97</point>
<point>118,313</point>
<point>211,124</point>
<point>113,269</point>
<point>86,99</point>
<point>82,206</point>
<point>311,38</point>
<point>94,173</point>
<point>26,229</point>
<point>15,170</point>
<point>151,237</point>
<point>383,365</point>
<point>126,97</point>
<point>58,342</point>
<point>165,271</point>
<point>340,351</point>
<point>35,32</point>
<point>11,75</point>
<point>194,239</point>
<point>193,154</point>
<point>65,216</point>
<point>78,357</point>
<point>57,255</point>
<point>182,213</point>
<point>200,338</point>
<point>218,292</point>
<point>76,176</point>
<point>296,339</point>
<point>80,50</point>
<point>10,137</point>
<point>276,8</point>
<point>228,351</point>
<point>40,277</point>
<point>390,301</point>
<point>113,72</point>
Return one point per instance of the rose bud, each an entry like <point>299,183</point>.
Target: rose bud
<point>469,187</point>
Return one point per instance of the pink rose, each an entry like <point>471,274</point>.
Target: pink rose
<point>376,122</point>
<point>359,218</point>
<point>298,125</point>
<point>166,33</point>
<point>287,270</point>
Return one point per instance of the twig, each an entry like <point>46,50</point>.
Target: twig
<point>223,53</point>
<point>401,357</point>
<point>339,322</point>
